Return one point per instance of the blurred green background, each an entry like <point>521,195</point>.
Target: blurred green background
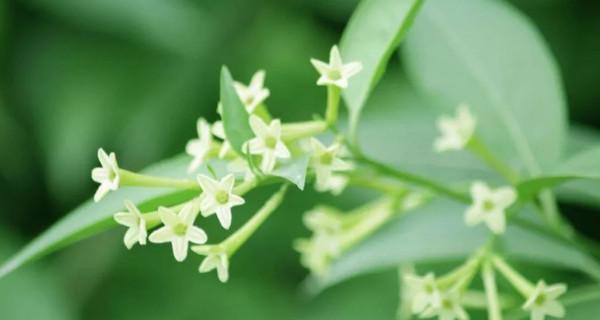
<point>132,76</point>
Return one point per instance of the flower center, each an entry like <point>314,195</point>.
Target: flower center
<point>334,74</point>
<point>488,205</point>
<point>540,299</point>
<point>326,158</point>
<point>270,142</point>
<point>180,229</point>
<point>447,304</point>
<point>222,197</point>
<point>249,100</point>
<point>428,288</point>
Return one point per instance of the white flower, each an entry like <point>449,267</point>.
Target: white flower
<point>455,132</point>
<point>255,93</point>
<point>423,292</point>
<point>218,198</point>
<point>219,131</point>
<point>489,206</point>
<point>198,148</point>
<point>317,253</point>
<point>107,176</point>
<point>179,229</point>
<point>216,258</point>
<point>335,73</point>
<point>543,301</point>
<point>323,220</point>
<point>267,142</point>
<point>135,222</point>
<point>325,161</point>
<point>449,308</point>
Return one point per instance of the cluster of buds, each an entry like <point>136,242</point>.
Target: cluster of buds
<point>444,297</point>
<point>273,144</point>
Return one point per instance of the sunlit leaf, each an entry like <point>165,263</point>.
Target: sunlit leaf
<point>294,171</point>
<point>486,54</point>
<point>235,116</point>
<point>373,33</point>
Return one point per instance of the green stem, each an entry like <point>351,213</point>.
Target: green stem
<point>333,102</point>
<point>412,178</point>
<point>376,214</point>
<point>491,291</point>
<point>233,242</point>
<point>519,282</point>
<point>377,184</point>
<point>485,154</point>
<point>478,300</point>
<point>298,130</point>
<point>129,178</point>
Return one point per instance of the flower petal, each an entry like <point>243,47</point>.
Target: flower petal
<point>224,216</point>
<point>127,219</point>
<point>180,248</point>
<point>168,216</point>
<point>227,182</point>
<point>103,189</point>
<point>162,235</point>
<point>196,235</point>
<point>258,126</point>
<point>208,185</point>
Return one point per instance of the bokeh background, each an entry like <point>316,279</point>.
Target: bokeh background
<point>132,76</point>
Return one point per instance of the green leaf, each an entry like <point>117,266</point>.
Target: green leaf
<point>398,128</point>
<point>294,171</point>
<point>40,284</point>
<point>373,33</point>
<point>486,54</point>
<point>92,218</point>
<point>437,233</point>
<point>585,165</point>
<point>235,116</point>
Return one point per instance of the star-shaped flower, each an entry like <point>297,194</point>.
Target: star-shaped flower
<point>135,222</point>
<point>179,229</point>
<point>107,176</point>
<point>325,161</point>
<point>543,301</point>
<point>489,206</point>
<point>449,307</point>
<point>255,93</point>
<point>335,72</point>
<point>267,143</point>
<point>455,132</point>
<point>218,198</point>
<point>423,292</point>
<point>219,131</point>
<point>323,220</point>
<point>199,147</point>
<point>216,258</point>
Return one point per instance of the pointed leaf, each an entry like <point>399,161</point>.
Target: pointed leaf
<point>373,33</point>
<point>486,54</point>
<point>235,116</point>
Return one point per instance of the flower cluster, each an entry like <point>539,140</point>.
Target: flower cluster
<point>266,149</point>
<point>273,144</point>
<point>444,297</point>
